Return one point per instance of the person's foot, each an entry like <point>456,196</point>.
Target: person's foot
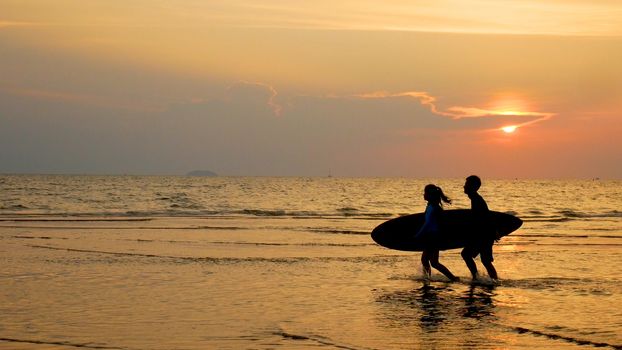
<point>455,279</point>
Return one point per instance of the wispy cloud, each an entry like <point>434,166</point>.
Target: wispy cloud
<point>530,17</point>
<point>276,108</point>
<point>6,24</point>
<point>81,99</point>
<point>460,112</point>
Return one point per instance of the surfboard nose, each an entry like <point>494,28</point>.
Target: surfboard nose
<point>377,235</point>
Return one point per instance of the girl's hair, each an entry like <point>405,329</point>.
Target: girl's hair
<point>435,195</point>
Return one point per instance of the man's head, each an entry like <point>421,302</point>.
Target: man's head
<point>472,184</point>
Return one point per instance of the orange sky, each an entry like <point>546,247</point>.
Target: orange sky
<point>398,88</point>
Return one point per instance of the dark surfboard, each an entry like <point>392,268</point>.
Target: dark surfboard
<point>458,228</point>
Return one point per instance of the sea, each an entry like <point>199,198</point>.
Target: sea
<point>174,262</point>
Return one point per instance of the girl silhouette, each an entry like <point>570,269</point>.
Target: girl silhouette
<point>430,231</point>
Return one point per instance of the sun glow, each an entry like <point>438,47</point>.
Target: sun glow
<point>509,129</point>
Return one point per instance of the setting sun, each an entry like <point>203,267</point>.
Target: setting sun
<point>509,129</point>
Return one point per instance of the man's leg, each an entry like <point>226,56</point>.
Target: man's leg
<point>467,256</point>
<point>487,259</point>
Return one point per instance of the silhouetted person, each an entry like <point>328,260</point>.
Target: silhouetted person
<point>430,231</point>
<point>482,243</point>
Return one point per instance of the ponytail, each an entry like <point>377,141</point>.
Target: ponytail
<point>444,198</point>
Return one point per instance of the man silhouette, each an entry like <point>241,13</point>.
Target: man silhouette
<point>482,243</point>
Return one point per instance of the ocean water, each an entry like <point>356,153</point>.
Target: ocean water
<point>147,262</point>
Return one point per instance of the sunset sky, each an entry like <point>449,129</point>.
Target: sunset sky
<point>447,88</point>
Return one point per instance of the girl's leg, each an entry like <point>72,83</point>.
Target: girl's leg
<point>425,262</point>
<point>440,267</point>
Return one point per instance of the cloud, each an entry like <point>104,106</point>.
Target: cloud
<point>259,87</point>
<point>531,17</point>
<point>6,24</point>
<point>73,98</point>
<point>461,112</point>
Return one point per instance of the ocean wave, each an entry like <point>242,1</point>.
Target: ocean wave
<point>546,219</point>
<point>183,208</point>
<point>319,340</point>
<point>60,343</point>
<point>14,207</point>
<point>560,235</point>
<point>583,215</point>
<point>341,212</point>
<point>38,219</point>
<point>293,244</point>
<point>340,232</point>
<point>608,244</point>
<point>388,259</point>
<point>176,210</point>
<point>259,212</point>
<point>566,338</point>
<point>569,215</point>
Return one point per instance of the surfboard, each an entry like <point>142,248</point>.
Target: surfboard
<point>458,228</point>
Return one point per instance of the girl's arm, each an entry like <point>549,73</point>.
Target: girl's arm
<point>425,227</point>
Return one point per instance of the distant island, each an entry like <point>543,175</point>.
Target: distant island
<point>201,173</point>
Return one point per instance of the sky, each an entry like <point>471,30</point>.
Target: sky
<point>448,88</point>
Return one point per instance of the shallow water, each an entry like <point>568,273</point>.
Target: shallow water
<point>265,263</point>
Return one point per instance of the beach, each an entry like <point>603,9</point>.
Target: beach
<point>148,262</point>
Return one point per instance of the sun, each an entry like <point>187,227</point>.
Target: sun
<point>509,129</point>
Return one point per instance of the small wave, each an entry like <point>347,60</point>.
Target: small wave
<point>572,214</point>
<point>257,212</point>
<point>581,215</point>
<point>73,227</point>
<point>141,240</point>
<point>231,228</point>
<point>34,237</point>
<point>381,215</point>
<point>544,283</point>
<point>390,259</point>
<point>319,340</point>
<point>61,343</point>
<point>281,212</point>
<point>192,210</point>
<point>177,211</point>
<point>569,339</point>
<point>534,235</point>
<point>295,244</point>
<point>568,215</point>
<point>75,220</point>
<point>547,220</point>
<point>347,209</point>
<point>340,232</point>
<point>580,244</point>
<point>550,235</point>
<point>220,260</point>
<point>14,207</point>
<point>352,213</point>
